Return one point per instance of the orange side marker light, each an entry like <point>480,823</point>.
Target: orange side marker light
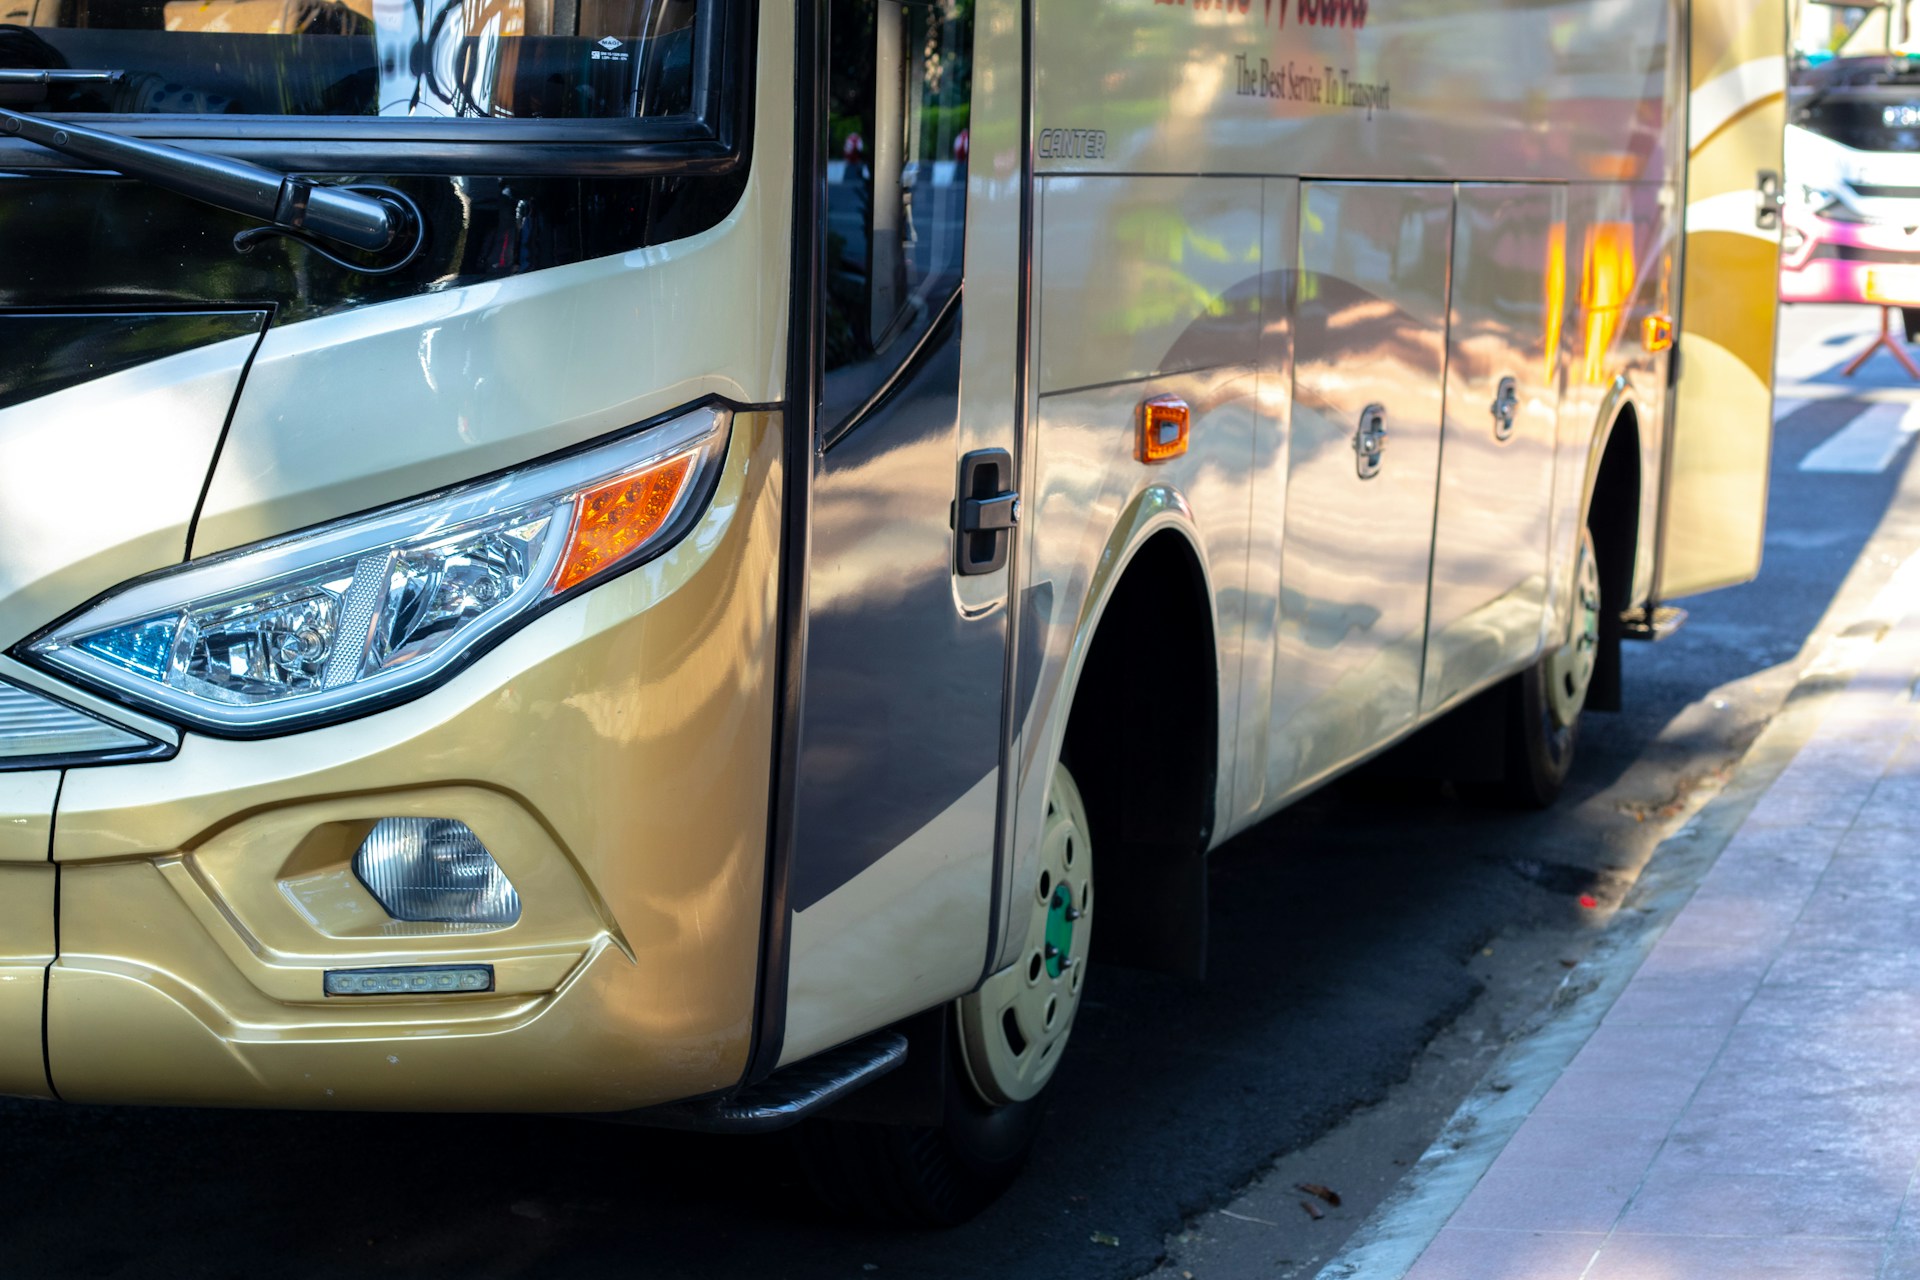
<point>1657,332</point>
<point>1163,428</point>
<point>612,521</point>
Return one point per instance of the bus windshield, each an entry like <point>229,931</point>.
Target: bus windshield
<point>501,59</point>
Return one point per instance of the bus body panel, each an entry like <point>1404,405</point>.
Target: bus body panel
<point>1459,89</point>
<point>1369,352</point>
<point>26,936</point>
<point>1497,446</point>
<point>898,783</point>
<point>1713,514</point>
<point>129,450</point>
<point>1621,271</point>
<point>913,924</point>
<point>1280,252</point>
<point>1144,288</point>
<point>381,403</point>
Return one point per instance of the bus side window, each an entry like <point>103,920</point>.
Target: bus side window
<point>900,75</point>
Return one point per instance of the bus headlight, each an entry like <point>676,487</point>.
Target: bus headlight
<point>335,620</point>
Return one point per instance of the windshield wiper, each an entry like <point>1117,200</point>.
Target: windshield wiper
<point>371,219</point>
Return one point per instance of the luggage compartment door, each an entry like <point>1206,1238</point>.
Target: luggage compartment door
<point>1491,533</point>
<point>1364,459</point>
<point>1714,508</point>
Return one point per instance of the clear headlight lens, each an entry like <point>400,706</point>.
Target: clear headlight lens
<point>310,626</point>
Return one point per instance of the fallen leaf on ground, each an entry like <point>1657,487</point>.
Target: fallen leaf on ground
<point>1328,1194</point>
<point>1101,1237</point>
<point>1314,1211</point>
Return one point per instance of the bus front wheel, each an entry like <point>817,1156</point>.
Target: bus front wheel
<point>1007,1041</point>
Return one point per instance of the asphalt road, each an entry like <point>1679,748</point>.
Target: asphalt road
<point>1348,934</point>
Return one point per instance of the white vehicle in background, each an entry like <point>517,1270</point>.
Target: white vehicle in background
<point>1853,184</point>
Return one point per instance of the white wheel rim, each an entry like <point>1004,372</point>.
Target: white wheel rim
<point>1013,1028</point>
<point>1570,668</point>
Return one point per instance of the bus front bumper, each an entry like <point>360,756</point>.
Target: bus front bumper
<point>613,758</point>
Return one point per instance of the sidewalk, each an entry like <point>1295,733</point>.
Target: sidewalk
<point>1750,1106</point>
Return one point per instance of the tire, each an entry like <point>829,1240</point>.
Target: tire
<point>915,1176</point>
<point>1006,1041</point>
<point>1544,701</point>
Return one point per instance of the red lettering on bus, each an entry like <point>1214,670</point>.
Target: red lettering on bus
<point>1308,13</point>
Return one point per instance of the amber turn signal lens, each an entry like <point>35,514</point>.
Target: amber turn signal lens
<point>612,521</point>
<point>1163,428</point>
<point>1657,332</point>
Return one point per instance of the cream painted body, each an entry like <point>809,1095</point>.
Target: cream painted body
<point>1191,212</point>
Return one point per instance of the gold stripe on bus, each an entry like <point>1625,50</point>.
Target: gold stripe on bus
<point>1743,113</point>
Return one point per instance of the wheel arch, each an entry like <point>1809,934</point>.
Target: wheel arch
<point>1142,734</point>
<point>1613,504</point>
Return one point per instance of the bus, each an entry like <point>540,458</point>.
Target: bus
<point>673,559</point>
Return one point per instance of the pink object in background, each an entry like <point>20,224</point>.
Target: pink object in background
<point>1825,260</point>
<point>1877,263</point>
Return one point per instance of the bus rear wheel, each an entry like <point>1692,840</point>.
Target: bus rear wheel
<point>1544,702</point>
<point>1007,1042</point>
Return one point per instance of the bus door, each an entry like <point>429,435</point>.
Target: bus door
<point>1497,449</point>
<point>1369,353</point>
<point>913,506</point>
<point>1713,512</point>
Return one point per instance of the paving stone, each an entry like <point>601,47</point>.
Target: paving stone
<point>1721,920</point>
<point>1639,1257</point>
<point>1692,985</point>
<point>1513,1196</point>
<point>1632,1047</point>
<point>1619,1144</point>
<point>1651,1091</point>
<point>1834,963</point>
<point>1678,1198</point>
<point>1461,1254</point>
<point>1812,801</point>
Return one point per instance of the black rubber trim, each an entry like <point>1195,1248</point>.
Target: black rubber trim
<point>46,983</point>
<point>788,1096</point>
<point>688,518</point>
<point>930,342</point>
<point>148,750</point>
<point>50,350</point>
<point>803,405</point>
<point>220,441</point>
<point>1023,345</point>
<point>713,138</point>
<point>1863,253</point>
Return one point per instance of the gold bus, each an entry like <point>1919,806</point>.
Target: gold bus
<point>673,558</point>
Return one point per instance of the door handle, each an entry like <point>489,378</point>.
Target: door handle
<point>984,513</point>
<point>1769,198</point>
<point>1506,403</point>
<point>1370,441</point>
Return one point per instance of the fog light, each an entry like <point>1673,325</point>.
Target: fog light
<point>435,869</point>
<point>410,982</point>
